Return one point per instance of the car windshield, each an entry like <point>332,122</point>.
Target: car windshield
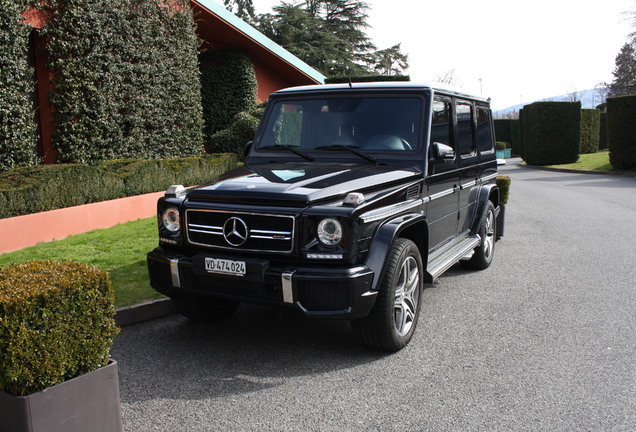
<point>369,124</point>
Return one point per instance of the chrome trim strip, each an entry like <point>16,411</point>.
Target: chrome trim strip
<point>469,184</point>
<point>441,194</point>
<point>262,237</point>
<point>488,177</point>
<point>206,232</point>
<point>287,285</point>
<point>273,233</point>
<point>391,210</point>
<point>174,272</point>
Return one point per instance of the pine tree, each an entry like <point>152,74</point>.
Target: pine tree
<point>624,82</point>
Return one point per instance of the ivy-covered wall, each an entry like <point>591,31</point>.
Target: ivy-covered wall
<point>126,80</point>
<point>18,130</point>
<point>228,87</point>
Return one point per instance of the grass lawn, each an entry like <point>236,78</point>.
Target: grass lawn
<point>120,250</point>
<point>590,162</point>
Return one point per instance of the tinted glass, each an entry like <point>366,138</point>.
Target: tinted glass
<point>465,138</point>
<point>371,124</point>
<point>441,122</point>
<point>484,131</point>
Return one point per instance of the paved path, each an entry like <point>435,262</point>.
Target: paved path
<point>545,339</point>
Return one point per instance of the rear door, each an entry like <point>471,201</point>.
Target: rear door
<point>468,162</point>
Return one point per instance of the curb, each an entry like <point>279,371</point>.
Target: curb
<point>142,312</point>
<point>573,171</point>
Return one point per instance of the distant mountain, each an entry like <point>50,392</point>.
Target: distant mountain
<point>589,99</point>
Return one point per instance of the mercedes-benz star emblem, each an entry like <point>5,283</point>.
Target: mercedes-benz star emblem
<point>235,231</point>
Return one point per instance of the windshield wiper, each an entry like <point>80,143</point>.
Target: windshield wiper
<point>291,149</point>
<point>349,149</point>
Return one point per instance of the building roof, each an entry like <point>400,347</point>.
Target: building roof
<point>224,33</point>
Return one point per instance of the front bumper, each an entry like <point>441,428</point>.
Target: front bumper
<point>325,292</point>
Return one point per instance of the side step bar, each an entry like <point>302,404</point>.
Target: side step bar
<point>438,264</point>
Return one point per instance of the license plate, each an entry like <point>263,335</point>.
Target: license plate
<point>223,266</point>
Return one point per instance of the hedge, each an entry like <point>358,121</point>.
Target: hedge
<point>49,187</point>
<point>504,189</point>
<point>18,130</point>
<point>590,130</point>
<point>508,130</point>
<point>56,323</point>
<point>552,132</point>
<point>621,130</point>
<point>603,140</point>
<point>228,87</point>
<point>126,80</point>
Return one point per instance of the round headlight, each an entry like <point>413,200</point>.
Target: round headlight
<point>329,232</point>
<point>170,219</point>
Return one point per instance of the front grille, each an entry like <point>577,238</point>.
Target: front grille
<point>323,296</point>
<point>253,231</point>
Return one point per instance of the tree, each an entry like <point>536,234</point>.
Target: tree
<point>390,61</point>
<point>244,9</point>
<point>448,77</point>
<point>624,82</point>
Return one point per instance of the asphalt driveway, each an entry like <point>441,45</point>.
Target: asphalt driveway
<point>545,339</point>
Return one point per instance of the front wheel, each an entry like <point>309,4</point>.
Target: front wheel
<point>482,257</point>
<point>199,308</point>
<point>392,321</point>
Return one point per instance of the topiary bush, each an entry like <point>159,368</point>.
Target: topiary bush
<point>234,138</point>
<point>56,323</point>
<point>551,132</point>
<point>18,130</point>
<point>228,87</point>
<point>504,189</point>
<point>590,130</point>
<point>501,145</point>
<point>621,130</point>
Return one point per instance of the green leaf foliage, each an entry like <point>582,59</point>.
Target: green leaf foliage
<point>236,136</point>
<point>503,182</point>
<point>18,130</point>
<point>552,132</point>
<point>621,130</point>
<point>56,323</point>
<point>228,87</point>
<point>49,187</point>
<point>603,141</point>
<point>590,130</point>
<point>126,80</point>
<point>508,130</point>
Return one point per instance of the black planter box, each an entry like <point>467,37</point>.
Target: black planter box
<point>88,403</point>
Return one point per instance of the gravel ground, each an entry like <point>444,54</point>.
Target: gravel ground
<point>545,339</point>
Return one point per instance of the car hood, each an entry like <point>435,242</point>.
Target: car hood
<point>299,184</point>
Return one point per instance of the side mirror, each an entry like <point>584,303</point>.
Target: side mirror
<point>248,147</point>
<point>442,152</point>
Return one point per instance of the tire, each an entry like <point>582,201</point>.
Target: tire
<point>199,308</point>
<point>484,253</point>
<point>392,321</point>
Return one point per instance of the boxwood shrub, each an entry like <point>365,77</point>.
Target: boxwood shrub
<point>602,143</point>
<point>233,139</point>
<point>56,323</point>
<point>551,132</point>
<point>504,189</point>
<point>49,187</point>
<point>621,129</point>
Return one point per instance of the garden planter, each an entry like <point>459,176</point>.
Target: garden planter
<point>507,153</point>
<point>500,154</point>
<point>88,403</point>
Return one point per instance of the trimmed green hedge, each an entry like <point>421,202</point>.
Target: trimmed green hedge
<point>126,80</point>
<point>552,132</point>
<point>234,138</point>
<point>49,187</point>
<point>56,323</point>
<point>621,129</point>
<point>18,130</point>
<point>603,140</point>
<point>590,130</point>
<point>228,87</point>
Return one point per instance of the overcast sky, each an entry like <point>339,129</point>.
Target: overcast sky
<point>511,51</point>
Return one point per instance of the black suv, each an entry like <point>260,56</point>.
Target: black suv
<point>351,197</point>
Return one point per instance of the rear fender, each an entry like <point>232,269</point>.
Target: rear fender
<point>489,192</point>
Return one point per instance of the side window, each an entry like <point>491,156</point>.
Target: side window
<point>465,129</point>
<point>484,130</point>
<point>441,125</point>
